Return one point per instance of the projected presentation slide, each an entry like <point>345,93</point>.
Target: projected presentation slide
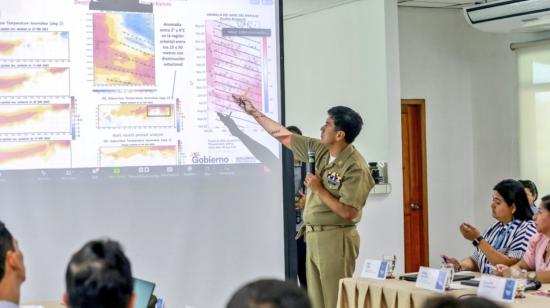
<point>129,83</point>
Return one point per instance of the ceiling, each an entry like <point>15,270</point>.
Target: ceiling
<point>293,8</point>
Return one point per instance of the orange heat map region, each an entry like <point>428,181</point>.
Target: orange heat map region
<point>123,49</point>
<point>34,45</point>
<point>142,111</point>
<point>8,119</point>
<point>44,149</point>
<point>129,152</point>
<point>8,47</point>
<point>11,83</point>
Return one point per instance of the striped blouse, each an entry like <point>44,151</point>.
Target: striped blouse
<point>511,240</point>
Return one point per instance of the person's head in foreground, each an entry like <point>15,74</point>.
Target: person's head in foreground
<point>99,275</point>
<point>12,267</point>
<point>467,302</point>
<point>269,293</point>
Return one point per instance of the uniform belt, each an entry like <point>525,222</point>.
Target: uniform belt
<point>316,228</point>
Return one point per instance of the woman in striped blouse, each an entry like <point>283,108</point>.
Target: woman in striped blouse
<point>506,240</point>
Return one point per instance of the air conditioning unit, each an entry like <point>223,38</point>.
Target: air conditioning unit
<point>510,16</point>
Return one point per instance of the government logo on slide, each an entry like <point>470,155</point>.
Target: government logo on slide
<point>204,160</point>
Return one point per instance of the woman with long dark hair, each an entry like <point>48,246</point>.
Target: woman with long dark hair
<point>506,240</point>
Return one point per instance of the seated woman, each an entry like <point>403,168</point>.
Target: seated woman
<point>532,193</point>
<point>537,257</point>
<point>506,240</point>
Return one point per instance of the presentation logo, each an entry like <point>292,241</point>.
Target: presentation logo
<point>204,160</point>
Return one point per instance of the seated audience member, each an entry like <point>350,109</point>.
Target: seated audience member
<point>12,269</point>
<point>452,302</point>
<point>99,275</point>
<point>532,193</point>
<point>537,257</point>
<point>269,293</point>
<point>506,240</point>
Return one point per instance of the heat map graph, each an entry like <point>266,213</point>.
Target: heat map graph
<point>35,118</point>
<point>124,49</point>
<point>53,81</point>
<point>19,45</point>
<point>135,115</point>
<point>138,156</point>
<point>40,154</point>
<point>234,66</point>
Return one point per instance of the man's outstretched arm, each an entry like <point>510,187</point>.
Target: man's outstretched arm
<point>274,128</point>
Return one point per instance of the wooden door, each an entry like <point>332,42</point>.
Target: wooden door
<point>415,206</point>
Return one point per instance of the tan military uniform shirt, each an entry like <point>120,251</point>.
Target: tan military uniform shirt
<point>347,178</point>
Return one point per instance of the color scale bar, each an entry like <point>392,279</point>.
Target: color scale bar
<point>264,76</point>
<point>72,115</point>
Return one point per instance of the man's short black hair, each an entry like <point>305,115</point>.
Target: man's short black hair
<point>6,244</point>
<point>346,120</point>
<point>294,129</point>
<point>99,275</point>
<point>269,293</point>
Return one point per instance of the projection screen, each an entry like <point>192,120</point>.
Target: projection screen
<point>117,120</point>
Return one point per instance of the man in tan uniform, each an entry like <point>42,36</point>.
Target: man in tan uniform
<point>335,197</point>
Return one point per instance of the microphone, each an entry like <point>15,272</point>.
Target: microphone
<point>311,161</point>
<point>532,285</point>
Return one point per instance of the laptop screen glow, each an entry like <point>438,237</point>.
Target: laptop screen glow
<point>143,290</point>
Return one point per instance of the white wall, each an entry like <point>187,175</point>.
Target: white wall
<point>468,79</point>
<point>330,57</point>
<point>349,55</point>
<point>434,67</point>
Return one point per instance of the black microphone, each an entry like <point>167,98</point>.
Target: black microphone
<point>532,285</point>
<point>311,161</point>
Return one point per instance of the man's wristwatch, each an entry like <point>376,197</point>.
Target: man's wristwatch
<point>531,276</point>
<point>477,241</point>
